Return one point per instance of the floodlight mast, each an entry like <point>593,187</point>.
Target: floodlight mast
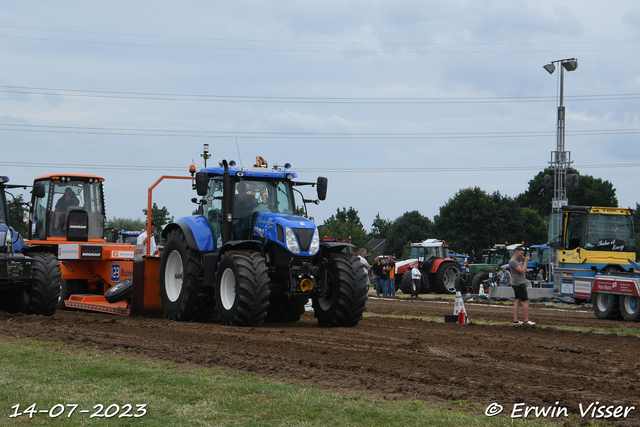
<point>560,159</point>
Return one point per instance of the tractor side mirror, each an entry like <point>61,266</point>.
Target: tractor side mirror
<point>38,190</point>
<point>322,187</point>
<point>202,183</point>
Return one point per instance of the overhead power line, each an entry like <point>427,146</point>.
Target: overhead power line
<point>607,45</point>
<point>174,133</point>
<point>26,90</point>
<point>138,167</point>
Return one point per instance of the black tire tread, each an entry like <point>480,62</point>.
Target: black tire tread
<point>477,280</point>
<point>440,274</point>
<point>191,307</point>
<point>46,284</point>
<point>124,290</point>
<point>406,284</point>
<point>350,293</point>
<point>252,288</point>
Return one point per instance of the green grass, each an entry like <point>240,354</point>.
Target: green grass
<point>50,374</point>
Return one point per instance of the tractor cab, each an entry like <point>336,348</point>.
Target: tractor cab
<point>596,237</point>
<point>68,207</point>
<point>590,241</point>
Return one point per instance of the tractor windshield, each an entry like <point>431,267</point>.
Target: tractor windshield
<point>249,196</point>
<point>269,195</point>
<point>51,213</point>
<point>609,233</point>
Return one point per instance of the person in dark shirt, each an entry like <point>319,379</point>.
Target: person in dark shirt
<point>60,212</point>
<point>377,271</point>
<point>384,277</point>
<point>391,268</point>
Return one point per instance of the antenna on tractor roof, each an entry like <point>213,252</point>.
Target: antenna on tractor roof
<point>239,157</point>
<point>205,154</point>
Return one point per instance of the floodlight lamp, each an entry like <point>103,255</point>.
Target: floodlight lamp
<point>570,65</point>
<point>550,68</point>
<point>232,163</point>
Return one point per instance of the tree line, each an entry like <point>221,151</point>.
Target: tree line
<point>473,220</point>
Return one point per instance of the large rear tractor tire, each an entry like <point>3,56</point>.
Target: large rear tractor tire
<point>406,284</point>
<point>478,280</point>
<point>446,277</point>
<point>284,309</point>
<point>606,306</point>
<point>630,308</point>
<point>179,279</point>
<point>242,288</point>
<point>45,285</point>
<point>347,286</point>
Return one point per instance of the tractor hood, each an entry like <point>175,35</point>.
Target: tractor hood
<point>10,240</point>
<point>296,233</point>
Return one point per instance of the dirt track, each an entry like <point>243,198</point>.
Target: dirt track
<point>401,350</point>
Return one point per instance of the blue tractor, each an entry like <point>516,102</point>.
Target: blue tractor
<point>28,283</point>
<point>251,258</point>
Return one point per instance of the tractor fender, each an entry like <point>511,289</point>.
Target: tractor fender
<point>196,231</point>
<point>241,245</point>
<point>333,247</point>
<point>404,266</point>
<point>437,262</point>
<point>211,259</point>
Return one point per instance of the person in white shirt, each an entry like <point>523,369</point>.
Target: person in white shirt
<point>365,264</point>
<point>142,240</point>
<point>415,276</point>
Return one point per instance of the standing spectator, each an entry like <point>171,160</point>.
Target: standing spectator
<point>415,276</point>
<point>391,266</point>
<point>504,277</point>
<point>365,264</point>
<point>377,271</point>
<point>384,277</point>
<point>519,286</point>
<point>143,240</point>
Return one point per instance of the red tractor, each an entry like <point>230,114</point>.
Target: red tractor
<point>439,271</point>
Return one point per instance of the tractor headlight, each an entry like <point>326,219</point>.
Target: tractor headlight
<point>315,243</point>
<point>3,239</point>
<point>292,243</point>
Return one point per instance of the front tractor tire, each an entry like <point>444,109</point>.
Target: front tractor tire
<point>242,288</point>
<point>478,280</point>
<point>446,277</point>
<point>345,300</point>
<point>406,284</point>
<point>45,285</point>
<point>179,281</point>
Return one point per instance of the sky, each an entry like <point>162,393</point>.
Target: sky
<point>400,104</point>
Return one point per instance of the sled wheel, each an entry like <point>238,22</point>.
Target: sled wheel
<point>121,290</point>
<point>606,306</point>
